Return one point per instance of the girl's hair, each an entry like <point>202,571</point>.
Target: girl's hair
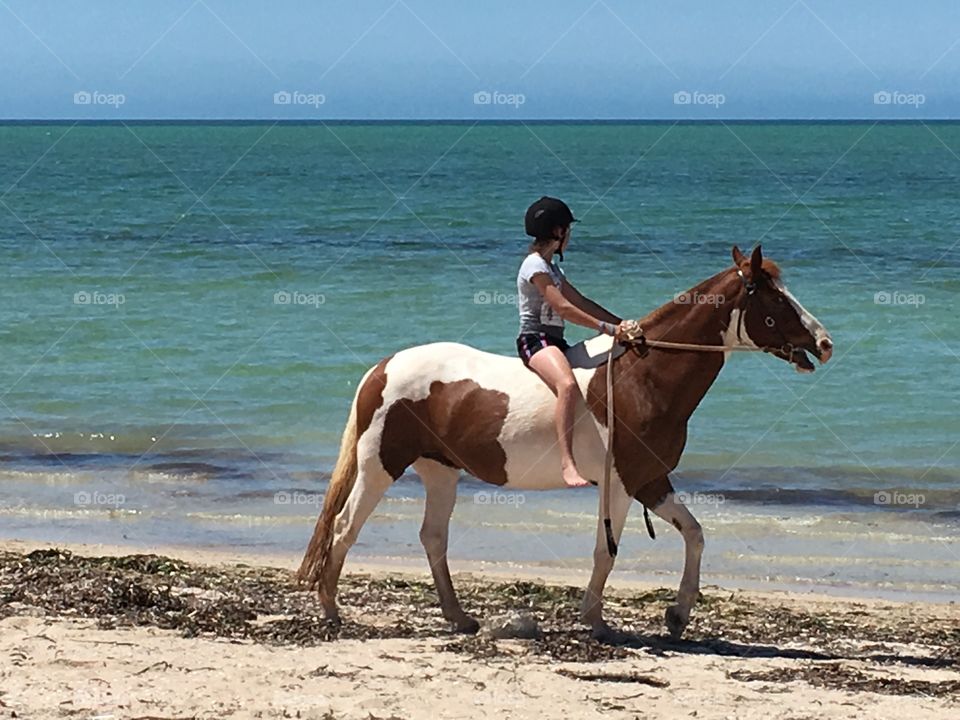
<point>539,243</point>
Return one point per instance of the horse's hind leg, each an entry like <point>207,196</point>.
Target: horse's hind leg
<point>372,482</point>
<point>440,483</point>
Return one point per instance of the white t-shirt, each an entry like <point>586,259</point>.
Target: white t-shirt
<point>536,314</point>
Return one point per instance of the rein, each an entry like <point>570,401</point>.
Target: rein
<point>632,336</point>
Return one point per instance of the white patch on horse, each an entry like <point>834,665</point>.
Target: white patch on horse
<point>730,338</point>
<point>813,326</point>
<point>528,436</point>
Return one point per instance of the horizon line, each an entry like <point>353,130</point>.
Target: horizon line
<point>469,121</point>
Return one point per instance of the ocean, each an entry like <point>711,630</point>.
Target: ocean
<point>186,311</point>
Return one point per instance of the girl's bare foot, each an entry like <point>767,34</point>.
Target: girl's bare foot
<point>572,478</point>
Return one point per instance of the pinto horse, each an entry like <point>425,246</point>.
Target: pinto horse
<point>444,408</point>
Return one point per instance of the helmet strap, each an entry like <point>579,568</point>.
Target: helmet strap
<point>559,252</point>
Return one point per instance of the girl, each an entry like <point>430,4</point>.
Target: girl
<point>545,299</point>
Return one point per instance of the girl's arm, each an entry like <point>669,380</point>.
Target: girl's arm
<point>567,309</point>
<point>587,305</point>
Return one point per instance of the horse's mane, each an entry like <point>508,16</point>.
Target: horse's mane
<point>770,268</point>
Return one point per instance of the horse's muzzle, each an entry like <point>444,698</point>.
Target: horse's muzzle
<point>824,349</point>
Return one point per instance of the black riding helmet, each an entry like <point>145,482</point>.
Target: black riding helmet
<point>546,214</point>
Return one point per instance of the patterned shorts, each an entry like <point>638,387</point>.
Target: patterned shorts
<point>530,344</point>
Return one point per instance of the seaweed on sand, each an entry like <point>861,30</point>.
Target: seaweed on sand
<point>266,605</point>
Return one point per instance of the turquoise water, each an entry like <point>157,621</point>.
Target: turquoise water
<point>185,387</point>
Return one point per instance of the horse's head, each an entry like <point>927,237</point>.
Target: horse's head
<point>771,318</point>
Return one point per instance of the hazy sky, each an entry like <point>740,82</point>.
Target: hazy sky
<point>495,59</point>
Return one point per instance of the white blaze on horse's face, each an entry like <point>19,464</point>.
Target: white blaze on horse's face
<point>817,331</point>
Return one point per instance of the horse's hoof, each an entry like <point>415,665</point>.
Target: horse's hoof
<point>676,622</point>
<point>606,635</point>
<point>467,626</point>
<point>333,620</point>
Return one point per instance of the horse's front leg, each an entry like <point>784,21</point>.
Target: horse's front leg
<point>592,608</point>
<point>676,513</point>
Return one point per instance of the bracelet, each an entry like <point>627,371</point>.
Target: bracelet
<point>607,328</point>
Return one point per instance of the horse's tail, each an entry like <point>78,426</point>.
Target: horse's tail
<point>317,556</point>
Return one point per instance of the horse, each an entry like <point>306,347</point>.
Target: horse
<point>444,408</point>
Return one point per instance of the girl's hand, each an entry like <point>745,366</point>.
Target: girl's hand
<point>629,331</point>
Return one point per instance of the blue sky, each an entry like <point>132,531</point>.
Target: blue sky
<point>421,59</point>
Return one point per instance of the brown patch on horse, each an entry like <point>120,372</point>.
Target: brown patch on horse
<point>457,424</point>
<point>657,394</point>
<point>370,397</point>
<point>649,434</point>
<point>652,493</point>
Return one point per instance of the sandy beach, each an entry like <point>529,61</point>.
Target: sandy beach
<point>98,632</point>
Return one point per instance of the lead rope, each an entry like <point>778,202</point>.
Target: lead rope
<point>631,333</point>
<point>608,458</point>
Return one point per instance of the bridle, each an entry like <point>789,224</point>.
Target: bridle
<point>636,341</point>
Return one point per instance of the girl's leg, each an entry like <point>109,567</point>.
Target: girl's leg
<point>552,367</point>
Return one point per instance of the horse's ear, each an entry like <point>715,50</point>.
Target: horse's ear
<point>737,256</point>
<point>756,261</point>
